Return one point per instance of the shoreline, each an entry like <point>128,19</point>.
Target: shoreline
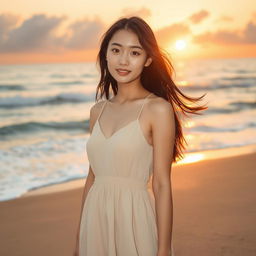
<point>188,159</point>
<point>214,208</point>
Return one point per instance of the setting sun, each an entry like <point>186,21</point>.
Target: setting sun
<point>180,45</point>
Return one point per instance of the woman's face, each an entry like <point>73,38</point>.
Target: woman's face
<point>125,57</point>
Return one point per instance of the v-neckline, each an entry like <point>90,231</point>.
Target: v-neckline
<point>112,135</point>
<point>136,121</point>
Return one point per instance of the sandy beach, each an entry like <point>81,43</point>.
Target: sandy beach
<point>214,213</point>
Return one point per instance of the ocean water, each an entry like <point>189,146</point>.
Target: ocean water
<point>44,111</point>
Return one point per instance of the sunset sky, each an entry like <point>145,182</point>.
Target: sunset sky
<point>69,31</point>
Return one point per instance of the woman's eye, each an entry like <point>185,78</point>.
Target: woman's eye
<point>135,53</point>
<point>115,50</point>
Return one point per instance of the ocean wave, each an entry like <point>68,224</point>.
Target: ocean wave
<point>67,82</point>
<point>218,86</point>
<point>88,75</point>
<point>219,111</point>
<point>18,101</point>
<point>25,167</point>
<point>11,87</point>
<point>57,75</point>
<point>239,78</point>
<point>243,105</point>
<point>30,127</point>
<point>61,75</point>
<point>206,128</point>
<point>234,107</point>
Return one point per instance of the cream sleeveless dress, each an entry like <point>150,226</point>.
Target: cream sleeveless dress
<point>118,217</point>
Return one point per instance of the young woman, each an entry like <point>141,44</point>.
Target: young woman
<point>135,135</point>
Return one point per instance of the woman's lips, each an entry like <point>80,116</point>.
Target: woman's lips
<point>123,72</point>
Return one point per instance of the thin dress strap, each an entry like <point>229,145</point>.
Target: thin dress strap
<point>143,105</point>
<point>103,105</point>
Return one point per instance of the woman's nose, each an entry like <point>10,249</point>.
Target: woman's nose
<point>123,60</point>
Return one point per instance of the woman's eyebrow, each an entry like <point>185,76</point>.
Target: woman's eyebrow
<point>132,46</point>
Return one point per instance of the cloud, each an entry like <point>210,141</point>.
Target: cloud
<point>85,34</point>
<point>38,33</point>
<point>171,33</point>
<point>7,22</point>
<point>35,33</point>
<point>249,34</point>
<point>245,36</point>
<point>142,12</point>
<point>199,16</point>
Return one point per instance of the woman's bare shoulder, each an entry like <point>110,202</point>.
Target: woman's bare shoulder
<point>158,106</point>
<point>157,103</point>
<point>94,113</point>
<point>95,109</point>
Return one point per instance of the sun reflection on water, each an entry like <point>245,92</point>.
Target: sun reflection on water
<point>191,158</point>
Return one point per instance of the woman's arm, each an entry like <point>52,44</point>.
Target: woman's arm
<point>90,177</point>
<point>163,130</point>
<point>94,111</point>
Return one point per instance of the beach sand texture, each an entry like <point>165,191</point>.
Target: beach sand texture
<point>214,213</point>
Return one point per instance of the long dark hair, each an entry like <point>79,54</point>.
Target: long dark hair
<point>156,78</point>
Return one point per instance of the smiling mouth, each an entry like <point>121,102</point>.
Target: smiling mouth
<point>123,71</point>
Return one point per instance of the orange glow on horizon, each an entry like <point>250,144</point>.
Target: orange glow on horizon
<point>70,31</point>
